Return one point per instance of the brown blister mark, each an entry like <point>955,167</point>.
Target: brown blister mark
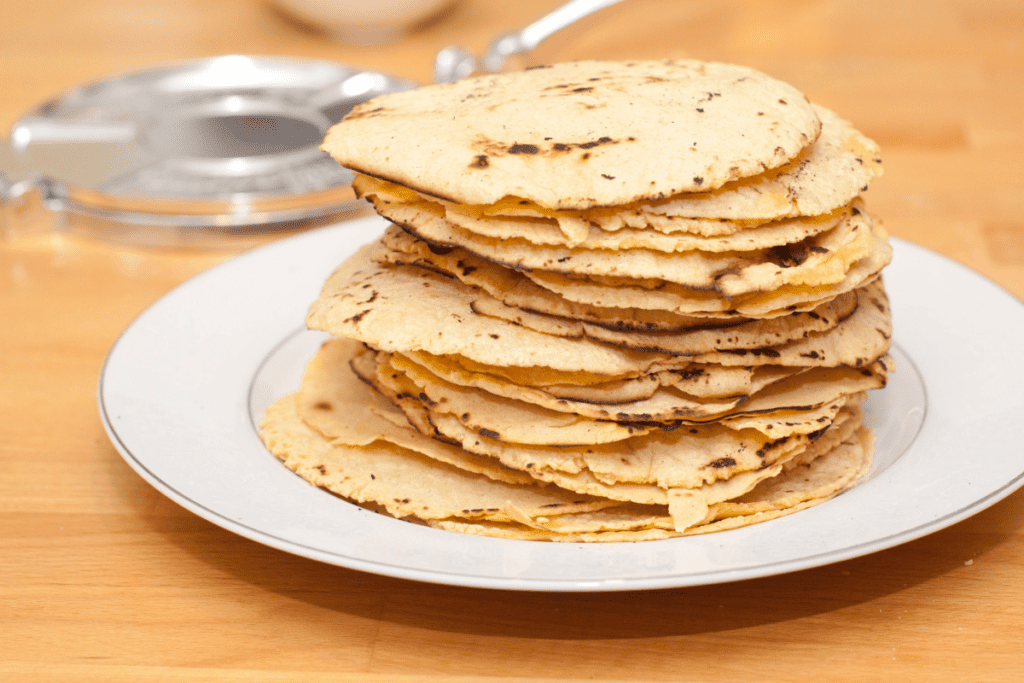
<point>698,180</point>
<point>590,144</point>
<point>321,469</point>
<point>523,148</point>
<point>489,433</point>
<point>790,255</point>
<point>763,351</point>
<point>815,435</point>
<point>769,446</point>
<point>323,405</point>
<point>439,249</point>
<point>609,177</point>
<point>358,317</point>
<point>480,161</point>
<point>722,462</point>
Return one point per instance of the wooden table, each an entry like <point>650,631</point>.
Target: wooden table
<point>103,579</point>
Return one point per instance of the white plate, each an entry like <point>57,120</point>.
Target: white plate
<point>184,386</point>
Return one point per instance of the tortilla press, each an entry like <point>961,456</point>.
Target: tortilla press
<point>206,152</point>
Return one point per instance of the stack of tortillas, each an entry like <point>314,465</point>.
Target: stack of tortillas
<point>618,301</point>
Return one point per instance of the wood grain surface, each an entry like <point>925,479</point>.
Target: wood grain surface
<point>104,579</point>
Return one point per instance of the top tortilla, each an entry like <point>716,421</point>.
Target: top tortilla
<point>825,176</point>
<point>579,135</point>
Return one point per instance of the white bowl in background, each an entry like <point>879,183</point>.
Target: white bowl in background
<point>363,22</point>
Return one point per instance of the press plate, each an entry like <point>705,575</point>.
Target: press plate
<point>191,151</point>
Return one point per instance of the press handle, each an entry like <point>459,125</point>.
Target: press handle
<point>454,63</point>
<point>26,199</point>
